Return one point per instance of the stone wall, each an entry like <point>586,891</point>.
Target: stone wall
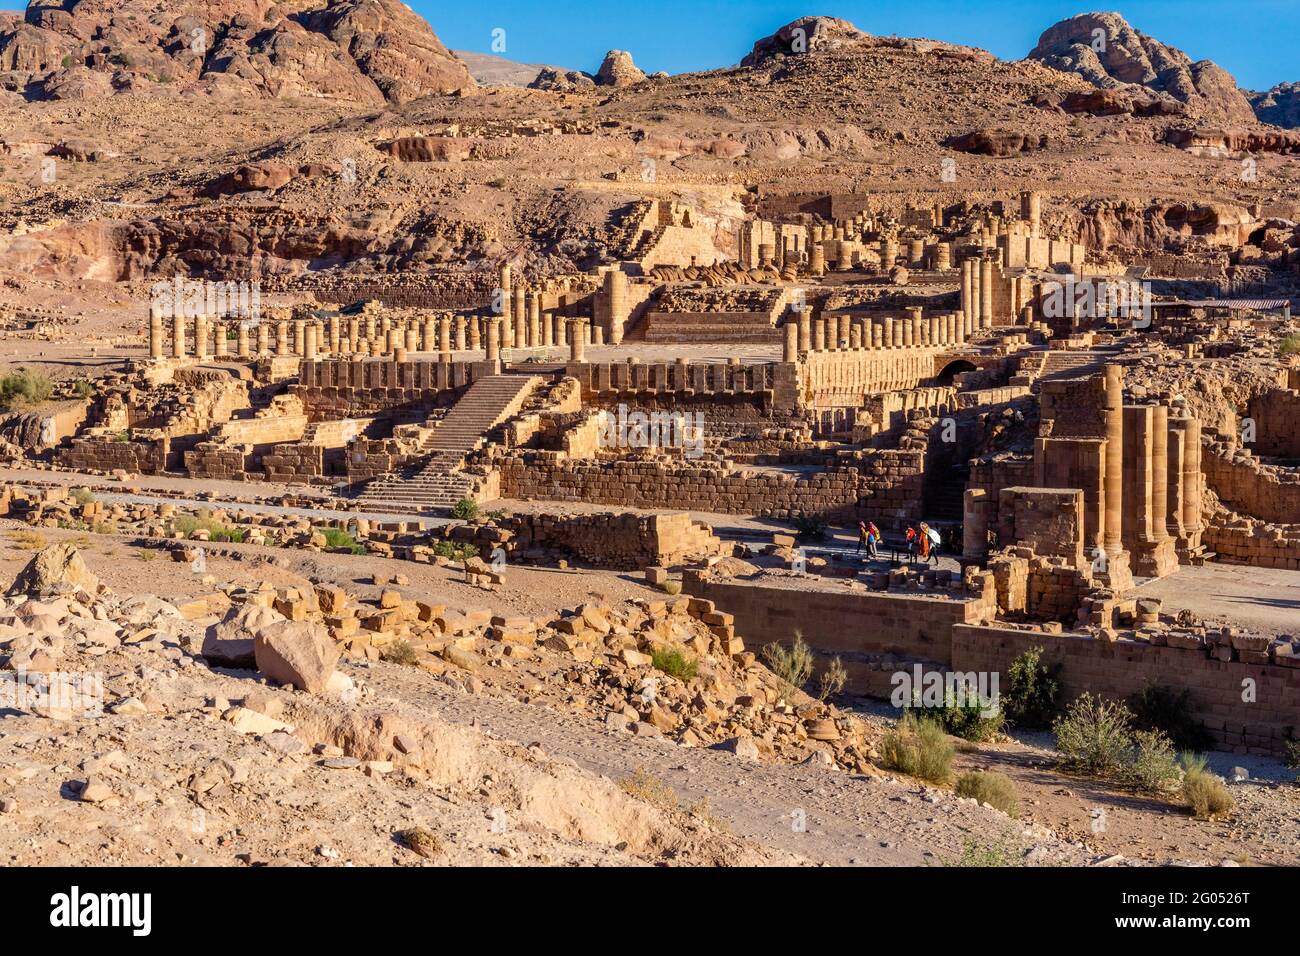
<point>1251,487</point>
<point>886,487</point>
<point>1120,668</point>
<point>1277,423</point>
<point>623,541</point>
<point>334,389</point>
<point>860,627</point>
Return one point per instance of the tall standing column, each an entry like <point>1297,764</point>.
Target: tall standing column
<point>791,351</point>
<point>282,338</point>
<point>1118,574</point>
<point>493,339</point>
<point>155,333</point>
<point>616,296</point>
<point>986,291</point>
<point>220,344</point>
<point>577,341</point>
<point>241,342</point>
<point>178,335</point>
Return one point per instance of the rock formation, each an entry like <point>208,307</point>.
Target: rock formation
<point>1279,106</point>
<point>1105,50</point>
<point>618,70</point>
<point>368,51</point>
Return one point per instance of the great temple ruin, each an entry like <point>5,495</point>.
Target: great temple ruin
<point>427,458</point>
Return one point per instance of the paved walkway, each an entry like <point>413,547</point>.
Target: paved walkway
<point>1261,599</point>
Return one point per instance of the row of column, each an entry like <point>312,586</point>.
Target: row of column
<point>202,336</point>
<point>840,332</point>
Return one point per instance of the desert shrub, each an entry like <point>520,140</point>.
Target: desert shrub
<point>1290,345</point>
<point>964,714</point>
<point>792,667</point>
<point>809,527</point>
<point>457,550</point>
<point>832,679</point>
<point>918,748</point>
<point>421,841</point>
<point>28,540</point>
<point>1030,699</point>
<point>203,521</point>
<point>674,663</point>
<point>83,388</point>
<point>1153,765</point>
<point>1204,792</point>
<point>1004,852</point>
<point>339,538</point>
<point>1094,735</point>
<point>466,509</point>
<point>24,388</point>
<point>1291,756</point>
<point>1169,709</point>
<point>991,787</point>
<point>399,652</point>
<point>498,514</point>
<point>671,587</point>
<point>644,785</point>
<point>83,496</point>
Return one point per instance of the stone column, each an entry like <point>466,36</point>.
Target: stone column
<point>534,319</point>
<point>282,338</point>
<point>494,339</point>
<point>475,335</point>
<point>520,329</point>
<point>155,333</point>
<point>968,297</point>
<point>943,257</point>
<point>263,338</point>
<point>459,333</point>
<point>561,331</point>
<point>307,332</point>
<point>791,352</point>
<point>817,259</point>
<point>504,286</point>
<point>616,299</point>
<point>220,344</point>
<point>804,318</point>
<point>411,338</point>
<point>1118,574</point>
<point>444,336</point>
<point>201,338</point>
<point>986,291</point>
<point>241,343</point>
<point>178,335</point>
<point>577,343</point>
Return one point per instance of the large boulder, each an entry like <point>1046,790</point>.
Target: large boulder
<point>268,175</point>
<point>296,653</point>
<point>618,70</point>
<point>229,642</point>
<point>57,568</point>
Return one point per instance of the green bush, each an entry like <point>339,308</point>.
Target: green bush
<point>1168,709</point>
<point>672,588</point>
<point>918,748</point>
<point>203,521</point>
<point>1292,756</point>
<point>964,714</point>
<point>991,787</point>
<point>674,663</point>
<point>792,667</point>
<point>338,538</point>
<point>1290,345</point>
<point>1005,852</point>
<point>466,509</point>
<point>1153,765</point>
<point>1030,700</point>
<point>83,496</point>
<point>24,388</point>
<point>456,550</point>
<point>1094,735</point>
<point>809,527</point>
<point>1204,792</point>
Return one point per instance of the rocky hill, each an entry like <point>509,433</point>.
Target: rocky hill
<point>1279,106</point>
<point>366,51</point>
<point>1107,52</point>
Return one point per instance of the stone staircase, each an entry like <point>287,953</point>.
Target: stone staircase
<point>1072,364</point>
<point>436,482</point>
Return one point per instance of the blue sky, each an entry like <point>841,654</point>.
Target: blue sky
<point>1253,39</point>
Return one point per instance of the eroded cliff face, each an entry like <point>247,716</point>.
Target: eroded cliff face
<point>1106,51</point>
<point>367,51</point>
